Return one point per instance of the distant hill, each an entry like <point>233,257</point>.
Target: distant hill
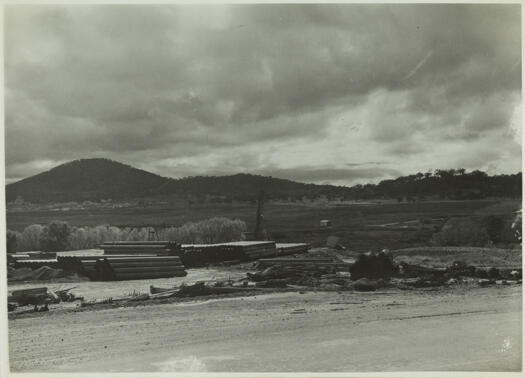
<point>85,179</point>
<point>244,186</point>
<point>96,179</point>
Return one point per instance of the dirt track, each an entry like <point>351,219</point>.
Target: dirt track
<point>454,329</point>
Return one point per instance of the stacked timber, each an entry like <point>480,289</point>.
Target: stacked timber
<point>138,267</point>
<point>159,248</point>
<point>199,255</point>
<point>284,249</point>
<point>318,261</point>
<point>250,250</point>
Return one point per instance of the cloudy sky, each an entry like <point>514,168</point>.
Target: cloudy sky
<point>343,94</point>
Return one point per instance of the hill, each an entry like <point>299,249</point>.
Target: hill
<point>245,187</point>
<point>96,179</point>
<point>85,179</point>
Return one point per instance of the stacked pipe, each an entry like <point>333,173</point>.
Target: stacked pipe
<point>35,264</point>
<point>199,255</point>
<point>70,263</point>
<point>34,256</point>
<point>159,248</point>
<point>138,267</point>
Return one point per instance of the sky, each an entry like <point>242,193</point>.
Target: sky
<point>341,94</point>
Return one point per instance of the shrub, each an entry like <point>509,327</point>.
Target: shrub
<point>461,232</point>
<point>475,231</point>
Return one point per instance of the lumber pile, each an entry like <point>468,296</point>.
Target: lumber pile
<point>199,255</point>
<point>317,261</point>
<point>284,249</point>
<point>138,267</point>
<point>159,248</point>
<point>249,250</point>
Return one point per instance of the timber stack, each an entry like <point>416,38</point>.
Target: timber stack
<point>199,255</point>
<point>250,250</point>
<point>291,248</point>
<point>158,248</point>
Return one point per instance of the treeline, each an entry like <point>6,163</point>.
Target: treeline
<point>454,184</point>
<point>60,236</point>
<point>103,180</point>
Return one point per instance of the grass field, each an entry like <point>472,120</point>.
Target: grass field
<point>361,227</point>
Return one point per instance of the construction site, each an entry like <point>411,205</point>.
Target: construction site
<point>202,307</point>
<point>277,187</point>
<point>261,305</point>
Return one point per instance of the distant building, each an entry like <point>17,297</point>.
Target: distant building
<point>325,223</point>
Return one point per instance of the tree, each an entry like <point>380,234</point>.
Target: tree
<point>12,241</point>
<point>31,237</point>
<point>55,237</point>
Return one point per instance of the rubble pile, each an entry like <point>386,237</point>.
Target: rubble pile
<point>40,298</point>
<point>303,272</point>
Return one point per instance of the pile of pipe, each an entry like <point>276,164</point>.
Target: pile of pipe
<point>138,267</point>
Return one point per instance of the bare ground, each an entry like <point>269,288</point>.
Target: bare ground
<point>461,328</point>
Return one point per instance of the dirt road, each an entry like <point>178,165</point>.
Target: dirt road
<point>451,329</point>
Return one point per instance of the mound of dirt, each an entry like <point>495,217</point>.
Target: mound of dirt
<point>364,284</point>
<point>43,273</point>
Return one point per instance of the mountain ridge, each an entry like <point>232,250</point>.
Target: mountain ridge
<point>100,178</point>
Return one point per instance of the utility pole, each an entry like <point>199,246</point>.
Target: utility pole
<point>259,215</point>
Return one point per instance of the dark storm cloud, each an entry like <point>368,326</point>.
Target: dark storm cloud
<point>168,87</point>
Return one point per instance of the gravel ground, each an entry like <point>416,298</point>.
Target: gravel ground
<point>459,328</point>
<point>100,290</point>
